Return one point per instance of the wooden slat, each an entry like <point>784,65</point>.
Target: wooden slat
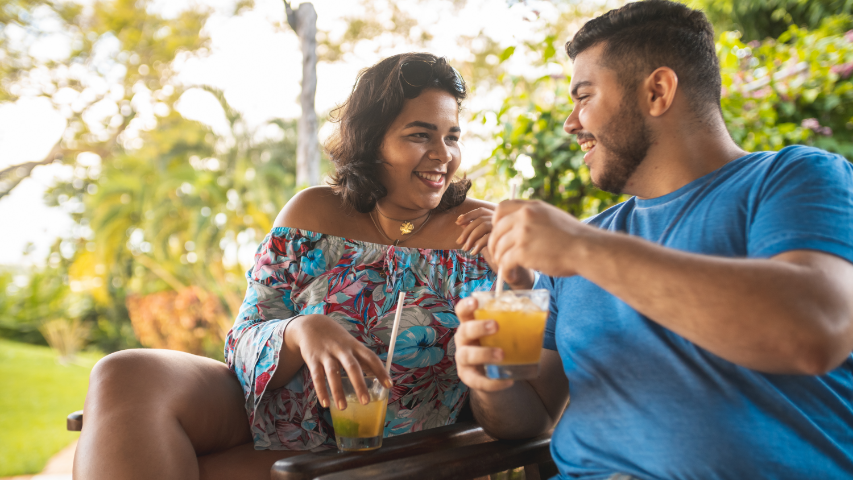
<point>314,464</point>
<point>74,422</point>
<point>456,463</point>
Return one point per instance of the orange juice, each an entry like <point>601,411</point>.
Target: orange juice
<point>360,427</point>
<point>519,334</point>
<point>360,421</point>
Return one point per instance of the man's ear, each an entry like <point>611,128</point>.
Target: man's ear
<point>659,90</point>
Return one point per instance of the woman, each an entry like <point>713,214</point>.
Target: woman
<point>321,297</point>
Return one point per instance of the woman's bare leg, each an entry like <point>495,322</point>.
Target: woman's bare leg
<point>150,413</point>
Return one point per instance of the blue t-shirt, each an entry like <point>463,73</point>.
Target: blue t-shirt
<point>647,402</point>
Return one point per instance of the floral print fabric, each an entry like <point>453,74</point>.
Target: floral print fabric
<point>299,272</point>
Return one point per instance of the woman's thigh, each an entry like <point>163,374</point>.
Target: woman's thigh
<point>201,394</point>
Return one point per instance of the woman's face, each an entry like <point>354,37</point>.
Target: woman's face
<point>420,152</point>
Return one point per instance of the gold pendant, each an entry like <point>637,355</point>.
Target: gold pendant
<point>406,228</point>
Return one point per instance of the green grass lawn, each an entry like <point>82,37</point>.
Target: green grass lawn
<point>36,394</point>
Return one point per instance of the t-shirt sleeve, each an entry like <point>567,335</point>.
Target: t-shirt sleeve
<point>804,203</point>
<point>548,283</point>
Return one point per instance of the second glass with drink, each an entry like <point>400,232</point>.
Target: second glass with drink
<point>360,427</point>
<point>521,316</point>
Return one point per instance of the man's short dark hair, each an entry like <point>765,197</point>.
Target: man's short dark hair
<point>643,36</point>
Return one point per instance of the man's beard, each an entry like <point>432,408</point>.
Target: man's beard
<point>627,140</point>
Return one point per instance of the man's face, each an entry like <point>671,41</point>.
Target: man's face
<point>608,122</point>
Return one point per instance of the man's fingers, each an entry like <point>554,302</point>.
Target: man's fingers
<point>476,381</point>
<point>507,207</point>
<point>472,330</point>
<point>473,355</point>
<point>465,309</point>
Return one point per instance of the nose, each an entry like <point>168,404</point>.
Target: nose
<point>573,125</point>
<point>441,152</point>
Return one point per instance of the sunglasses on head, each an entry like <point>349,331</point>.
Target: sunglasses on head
<point>418,74</point>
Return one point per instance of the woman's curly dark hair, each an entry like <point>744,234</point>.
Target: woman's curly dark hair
<point>376,100</point>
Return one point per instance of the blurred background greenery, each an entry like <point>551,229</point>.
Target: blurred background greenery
<point>162,203</point>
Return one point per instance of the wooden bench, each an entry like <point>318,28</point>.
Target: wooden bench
<point>459,451</point>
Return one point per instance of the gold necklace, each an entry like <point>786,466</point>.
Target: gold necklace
<point>399,241</point>
<point>407,226</point>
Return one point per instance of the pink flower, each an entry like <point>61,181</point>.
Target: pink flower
<point>261,382</point>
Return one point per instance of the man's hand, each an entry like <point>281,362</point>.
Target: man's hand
<point>536,235</point>
<point>470,356</point>
<point>477,228</point>
<point>506,408</point>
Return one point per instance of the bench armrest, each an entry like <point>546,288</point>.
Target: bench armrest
<point>461,463</point>
<point>314,464</point>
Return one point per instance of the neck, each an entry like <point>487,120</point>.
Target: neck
<point>681,154</point>
<point>392,218</point>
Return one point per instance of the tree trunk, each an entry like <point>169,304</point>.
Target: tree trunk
<point>307,147</point>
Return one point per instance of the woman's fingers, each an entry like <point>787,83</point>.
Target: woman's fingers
<point>356,377</point>
<point>372,363</point>
<point>480,244</point>
<point>333,377</point>
<point>476,213</point>
<point>469,228</point>
<point>318,375</point>
<point>481,228</point>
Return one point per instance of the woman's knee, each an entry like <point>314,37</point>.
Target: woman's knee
<point>123,376</point>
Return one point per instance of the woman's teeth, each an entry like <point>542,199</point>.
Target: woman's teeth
<point>587,145</point>
<point>432,177</point>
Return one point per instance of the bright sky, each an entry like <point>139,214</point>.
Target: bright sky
<point>258,66</point>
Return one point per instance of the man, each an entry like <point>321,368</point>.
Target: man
<point>705,325</point>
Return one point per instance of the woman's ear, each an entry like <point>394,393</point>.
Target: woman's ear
<point>660,89</point>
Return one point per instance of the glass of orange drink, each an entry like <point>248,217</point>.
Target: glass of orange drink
<point>521,316</point>
<point>359,427</point>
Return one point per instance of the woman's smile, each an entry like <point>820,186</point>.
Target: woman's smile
<point>432,179</point>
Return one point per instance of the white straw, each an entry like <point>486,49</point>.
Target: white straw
<point>500,286</point>
<point>394,332</point>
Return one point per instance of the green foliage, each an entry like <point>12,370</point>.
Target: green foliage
<point>36,393</point>
<point>761,19</point>
<point>796,89</point>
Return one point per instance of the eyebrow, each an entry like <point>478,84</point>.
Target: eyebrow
<point>430,126</point>
<point>578,85</point>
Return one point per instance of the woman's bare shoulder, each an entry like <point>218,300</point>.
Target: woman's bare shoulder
<point>472,204</point>
<point>314,209</point>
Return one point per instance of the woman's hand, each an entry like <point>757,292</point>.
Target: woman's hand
<point>326,347</point>
<point>475,238</point>
<point>477,225</point>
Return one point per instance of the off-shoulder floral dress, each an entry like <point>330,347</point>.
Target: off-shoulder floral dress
<point>299,272</point>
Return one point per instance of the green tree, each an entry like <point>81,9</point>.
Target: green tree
<point>761,19</point>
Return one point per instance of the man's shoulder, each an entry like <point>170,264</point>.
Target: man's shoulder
<point>812,159</point>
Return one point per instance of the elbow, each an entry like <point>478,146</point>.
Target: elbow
<point>820,361</point>
<point>825,351</point>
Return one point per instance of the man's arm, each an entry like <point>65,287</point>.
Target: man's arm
<point>507,409</point>
<point>790,314</point>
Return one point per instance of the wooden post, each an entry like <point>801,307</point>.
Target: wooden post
<point>304,23</point>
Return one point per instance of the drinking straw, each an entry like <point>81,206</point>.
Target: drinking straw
<point>500,286</point>
<point>394,332</point>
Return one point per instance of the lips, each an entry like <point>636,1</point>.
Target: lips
<point>587,145</point>
<point>430,176</point>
